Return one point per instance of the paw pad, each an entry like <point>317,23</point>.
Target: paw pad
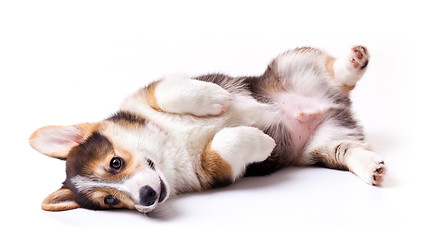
<point>359,57</point>
<point>378,173</point>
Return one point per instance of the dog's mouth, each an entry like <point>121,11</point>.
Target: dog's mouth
<point>162,191</point>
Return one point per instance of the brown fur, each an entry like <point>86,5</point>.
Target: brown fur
<point>59,200</point>
<point>329,64</point>
<point>93,146</point>
<point>102,153</point>
<point>215,171</point>
<point>84,130</point>
<point>334,157</point>
<point>98,196</point>
<point>149,92</point>
<point>100,167</point>
<point>346,89</point>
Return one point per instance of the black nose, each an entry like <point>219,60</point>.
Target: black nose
<point>148,196</point>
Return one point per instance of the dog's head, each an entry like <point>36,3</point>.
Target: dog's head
<point>114,163</point>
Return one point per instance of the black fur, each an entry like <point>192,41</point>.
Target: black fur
<point>95,147</point>
<point>281,156</point>
<point>127,117</point>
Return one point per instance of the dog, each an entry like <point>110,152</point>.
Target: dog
<point>180,135</point>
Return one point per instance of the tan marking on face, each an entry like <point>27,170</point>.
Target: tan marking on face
<point>329,64</point>
<point>149,92</point>
<point>98,196</point>
<point>214,169</point>
<point>101,167</point>
<point>132,165</point>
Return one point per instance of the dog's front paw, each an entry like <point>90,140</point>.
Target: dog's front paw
<point>242,145</point>
<point>192,97</point>
<point>207,99</point>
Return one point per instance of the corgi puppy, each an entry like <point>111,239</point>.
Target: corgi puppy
<point>180,135</point>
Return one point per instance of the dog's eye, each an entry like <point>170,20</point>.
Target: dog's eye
<point>111,200</point>
<point>116,163</point>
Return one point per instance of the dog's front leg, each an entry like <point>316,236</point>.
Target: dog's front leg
<point>231,150</point>
<point>187,96</point>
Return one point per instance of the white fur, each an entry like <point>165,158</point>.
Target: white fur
<point>131,186</point>
<point>345,73</point>
<point>135,183</point>
<point>56,140</point>
<point>240,146</point>
<point>364,163</point>
<point>84,183</point>
<point>180,152</point>
<point>192,117</point>
<point>192,96</point>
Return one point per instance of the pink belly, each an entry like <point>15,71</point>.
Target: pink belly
<point>303,116</point>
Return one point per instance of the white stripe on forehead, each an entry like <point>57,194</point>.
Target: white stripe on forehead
<point>146,140</point>
<point>130,186</point>
<point>85,183</point>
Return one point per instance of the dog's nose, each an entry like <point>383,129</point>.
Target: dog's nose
<point>148,196</point>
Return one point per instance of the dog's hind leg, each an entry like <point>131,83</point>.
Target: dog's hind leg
<point>231,150</point>
<point>344,151</point>
<point>357,158</point>
<point>346,71</point>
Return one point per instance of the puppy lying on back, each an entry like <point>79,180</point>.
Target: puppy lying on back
<point>184,135</point>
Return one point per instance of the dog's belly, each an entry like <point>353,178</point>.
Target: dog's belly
<point>303,115</point>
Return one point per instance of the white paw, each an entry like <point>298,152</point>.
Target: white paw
<point>192,97</point>
<point>348,70</point>
<point>209,99</point>
<point>240,146</point>
<point>368,165</point>
<point>359,58</point>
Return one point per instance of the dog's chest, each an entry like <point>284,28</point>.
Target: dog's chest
<point>181,156</point>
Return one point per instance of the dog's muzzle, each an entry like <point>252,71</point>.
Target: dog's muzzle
<point>149,197</point>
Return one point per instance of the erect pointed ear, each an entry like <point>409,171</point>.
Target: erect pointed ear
<point>60,200</point>
<point>57,141</point>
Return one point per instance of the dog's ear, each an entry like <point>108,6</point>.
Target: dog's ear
<point>60,200</point>
<point>57,141</point>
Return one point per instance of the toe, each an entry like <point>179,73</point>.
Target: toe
<point>364,65</point>
<point>380,170</point>
<point>355,63</point>
<point>376,180</point>
<point>358,54</point>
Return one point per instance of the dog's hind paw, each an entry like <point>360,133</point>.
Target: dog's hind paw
<point>359,57</point>
<point>367,165</point>
<point>378,174</point>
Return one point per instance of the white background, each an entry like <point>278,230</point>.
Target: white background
<point>65,62</point>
